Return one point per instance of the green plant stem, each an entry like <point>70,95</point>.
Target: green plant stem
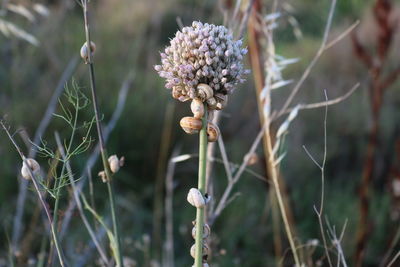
<point>198,261</point>
<point>103,151</point>
<point>58,184</point>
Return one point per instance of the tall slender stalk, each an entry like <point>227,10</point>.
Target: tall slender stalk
<point>274,176</point>
<point>57,182</point>
<point>268,139</point>
<point>60,253</point>
<point>198,261</point>
<point>103,151</point>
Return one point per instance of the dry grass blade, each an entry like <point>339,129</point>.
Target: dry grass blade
<point>9,28</point>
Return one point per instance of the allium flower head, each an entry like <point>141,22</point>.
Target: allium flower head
<point>202,53</point>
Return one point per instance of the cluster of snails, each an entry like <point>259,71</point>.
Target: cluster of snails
<point>115,164</point>
<point>204,93</point>
<point>193,125</point>
<point>196,199</point>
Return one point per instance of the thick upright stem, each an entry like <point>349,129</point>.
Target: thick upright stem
<point>103,151</point>
<point>198,262</point>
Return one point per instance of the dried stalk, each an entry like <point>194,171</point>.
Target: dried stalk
<point>54,233</point>
<point>103,151</point>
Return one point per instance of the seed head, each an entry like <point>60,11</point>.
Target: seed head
<point>202,54</point>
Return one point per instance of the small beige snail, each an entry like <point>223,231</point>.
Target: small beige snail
<point>191,125</point>
<point>33,166</point>
<point>197,108</point>
<point>85,53</point>
<point>204,91</point>
<point>115,163</point>
<point>206,231</point>
<point>212,103</point>
<point>251,159</point>
<point>103,176</point>
<point>206,250</point>
<point>212,132</point>
<point>222,101</point>
<point>195,198</point>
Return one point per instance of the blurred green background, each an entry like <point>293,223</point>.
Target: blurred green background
<point>129,35</point>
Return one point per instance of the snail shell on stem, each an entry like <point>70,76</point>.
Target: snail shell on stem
<point>206,250</point>
<point>33,166</point>
<point>222,101</point>
<point>115,163</point>
<point>197,108</point>
<point>212,132</point>
<point>206,231</point>
<point>204,91</point>
<point>195,198</point>
<point>212,103</point>
<point>191,125</point>
<point>85,52</point>
<point>251,159</point>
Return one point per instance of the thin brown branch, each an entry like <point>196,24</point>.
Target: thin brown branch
<point>313,61</point>
<point>342,35</point>
<point>323,103</point>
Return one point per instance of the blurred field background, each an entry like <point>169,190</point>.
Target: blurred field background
<point>129,35</point>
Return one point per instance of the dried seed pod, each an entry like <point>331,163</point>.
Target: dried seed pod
<point>114,163</point>
<point>85,52</point>
<point>212,132</point>
<point>195,198</point>
<point>204,91</point>
<point>212,103</point>
<point>206,251</point>
<point>251,159</point>
<point>191,125</point>
<point>197,108</point>
<point>33,166</point>
<point>222,101</point>
<point>206,231</point>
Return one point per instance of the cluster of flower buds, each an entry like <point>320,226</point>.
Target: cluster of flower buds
<point>203,62</point>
